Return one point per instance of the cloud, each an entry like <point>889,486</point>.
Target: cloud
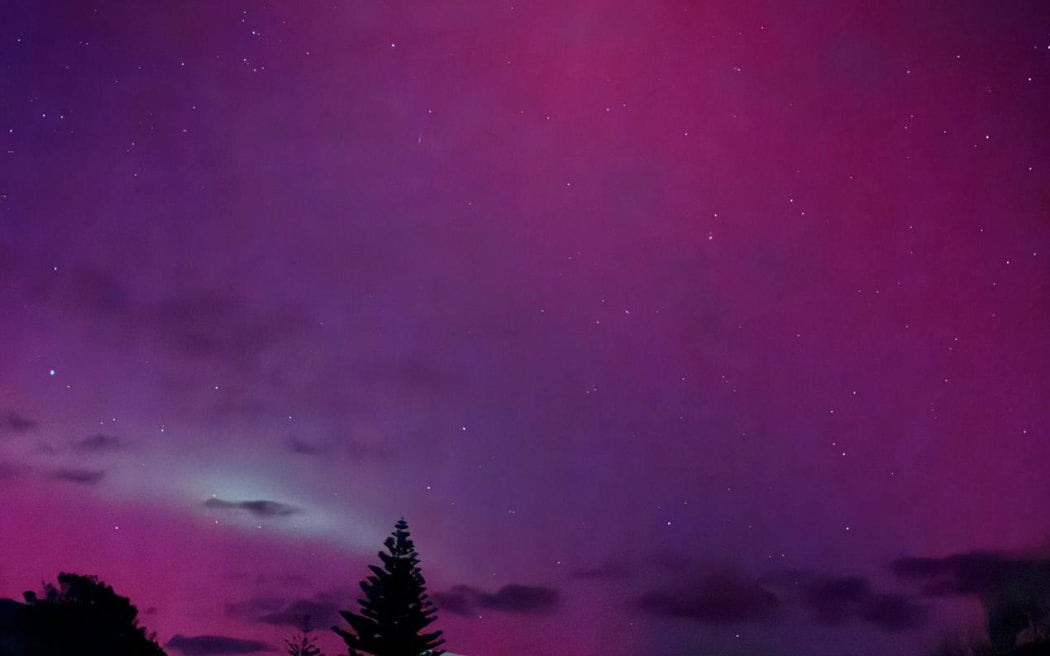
<point>322,613</point>
<point>834,600</point>
<point>250,609</point>
<point>459,600</point>
<point>14,423</point>
<point>99,443</point>
<point>80,476</point>
<point>212,645</point>
<point>323,608</point>
<point>513,598</point>
<point>978,573</point>
<point>258,508</point>
<point>302,447</point>
<point>720,598</point>
<point>892,612</point>
<point>838,600</point>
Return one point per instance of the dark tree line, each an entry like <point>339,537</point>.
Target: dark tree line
<point>83,616</point>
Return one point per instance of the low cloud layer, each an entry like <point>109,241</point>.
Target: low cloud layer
<point>727,597</point>
<point>514,598</point>
<point>720,598</point>
<point>974,573</point>
<point>278,611</point>
<point>257,507</point>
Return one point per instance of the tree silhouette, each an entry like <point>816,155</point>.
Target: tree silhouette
<point>303,643</point>
<point>82,616</point>
<point>396,608</point>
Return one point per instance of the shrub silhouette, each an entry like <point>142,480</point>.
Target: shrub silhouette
<point>82,616</point>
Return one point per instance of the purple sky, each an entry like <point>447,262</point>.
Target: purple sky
<point>668,326</point>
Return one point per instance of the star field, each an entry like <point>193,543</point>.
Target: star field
<point>668,326</point>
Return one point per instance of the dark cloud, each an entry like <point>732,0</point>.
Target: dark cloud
<point>976,573</point>
<point>340,445</point>
<point>280,611</point>
<point>259,507</point>
<point>459,600</point>
<point>14,423</point>
<point>322,613</point>
<point>212,645</point>
<point>79,476</point>
<point>720,598</point>
<point>302,447</point>
<point>892,612</point>
<point>99,443</point>
<point>513,598</point>
<point>251,609</point>
<point>531,599</point>
<point>835,601</point>
<point>981,573</point>
<point>838,600</point>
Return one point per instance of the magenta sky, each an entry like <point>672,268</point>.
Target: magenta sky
<point>687,317</point>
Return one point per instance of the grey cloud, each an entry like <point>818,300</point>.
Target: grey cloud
<point>302,447</point>
<point>79,476</point>
<point>257,507</point>
<point>15,423</point>
<point>99,443</point>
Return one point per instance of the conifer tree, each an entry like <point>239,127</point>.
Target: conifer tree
<point>396,608</point>
<point>303,644</point>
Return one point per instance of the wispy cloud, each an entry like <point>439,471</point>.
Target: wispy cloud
<point>256,507</point>
<point>514,598</point>
<point>79,476</point>
<point>15,423</point>
<point>100,443</point>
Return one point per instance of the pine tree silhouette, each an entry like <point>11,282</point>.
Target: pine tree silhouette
<point>303,644</point>
<point>396,608</point>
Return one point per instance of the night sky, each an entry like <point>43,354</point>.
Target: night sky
<point>669,326</point>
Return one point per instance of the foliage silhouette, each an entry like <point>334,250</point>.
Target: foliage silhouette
<point>396,608</point>
<point>303,644</point>
<point>82,616</point>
